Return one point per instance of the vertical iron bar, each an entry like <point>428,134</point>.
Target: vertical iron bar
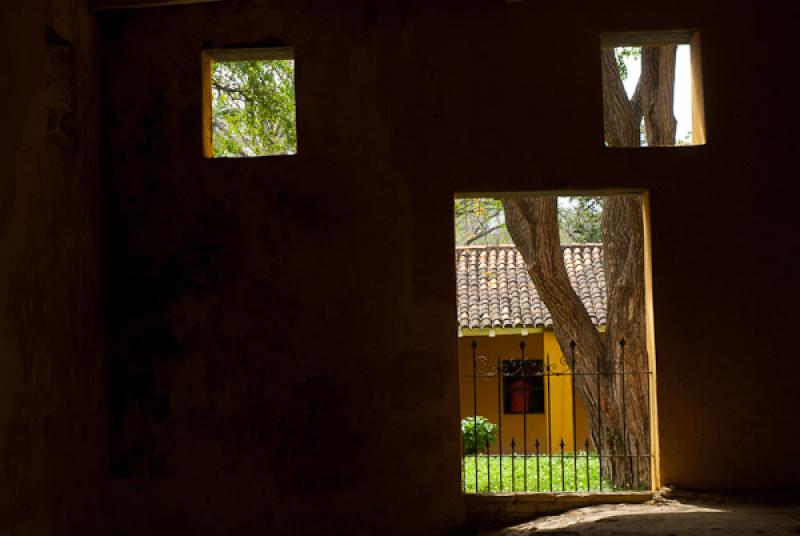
<point>624,408</point>
<point>549,416</point>
<point>574,419</point>
<point>488,468</point>
<point>588,474</point>
<point>636,451</point>
<point>475,408</point>
<point>612,456</point>
<point>538,479</point>
<point>513,469</point>
<point>463,464</point>
<point>563,483</point>
<point>500,381</point>
<point>599,438</point>
<point>524,417</point>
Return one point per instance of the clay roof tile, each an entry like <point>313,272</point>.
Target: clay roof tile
<point>494,289</point>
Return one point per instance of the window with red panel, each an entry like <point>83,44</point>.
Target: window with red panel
<point>523,386</point>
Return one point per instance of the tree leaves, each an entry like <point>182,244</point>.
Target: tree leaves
<point>579,219</point>
<point>253,108</point>
<point>623,53</point>
<point>482,220</point>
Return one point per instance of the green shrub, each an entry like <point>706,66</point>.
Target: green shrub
<point>480,429</point>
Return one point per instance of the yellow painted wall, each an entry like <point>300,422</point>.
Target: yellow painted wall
<point>489,392</point>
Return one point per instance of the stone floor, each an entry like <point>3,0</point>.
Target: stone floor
<point>682,514</point>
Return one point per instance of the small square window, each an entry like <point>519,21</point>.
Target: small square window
<point>249,106</point>
<point>523,386</point>
<point>652,89</point>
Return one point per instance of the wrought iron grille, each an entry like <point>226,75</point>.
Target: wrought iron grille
<point>609,458</point>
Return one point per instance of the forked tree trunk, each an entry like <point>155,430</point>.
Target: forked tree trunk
<point>619,424</point>
<point>619,417</point>
<point>652,99</point>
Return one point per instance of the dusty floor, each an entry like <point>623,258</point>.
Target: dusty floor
<point>686,514</point>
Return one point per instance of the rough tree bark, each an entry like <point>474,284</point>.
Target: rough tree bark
<point>657,85</point>
<point>619,423</point>
<point>618,419</point>
<point>652,99</point>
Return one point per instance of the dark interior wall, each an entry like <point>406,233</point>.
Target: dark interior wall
<point>264,374</point>
<point>54,461</point>
<point>283,337</point>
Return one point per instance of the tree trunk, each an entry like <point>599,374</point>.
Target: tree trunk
<point>620,429</point>
<point>616,391</point>
<point>657,89</point>
<point>652,100</point>
<point>621,116</point>
<point>626,350</point>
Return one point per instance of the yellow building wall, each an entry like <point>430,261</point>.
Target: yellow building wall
<point>487,394</point>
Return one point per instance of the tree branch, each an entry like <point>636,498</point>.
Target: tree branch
<point>484,232</point>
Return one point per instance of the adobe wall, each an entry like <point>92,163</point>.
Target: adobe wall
<point>283,329</point>
<point>54,437</point>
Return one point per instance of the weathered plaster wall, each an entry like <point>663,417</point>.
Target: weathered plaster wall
<point>283,329</point>
<point>54,461</point>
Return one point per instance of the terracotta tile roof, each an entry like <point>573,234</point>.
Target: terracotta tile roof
<point>495,291</point>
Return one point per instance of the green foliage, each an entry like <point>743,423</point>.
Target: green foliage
<point>579,219</point>
<point>624,53</point>
<point>488,473</point>
<point>253,108</point>
<point>480,220</point>
<point>477,429</point>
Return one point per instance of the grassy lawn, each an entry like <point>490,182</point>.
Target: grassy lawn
<point>489,473</point>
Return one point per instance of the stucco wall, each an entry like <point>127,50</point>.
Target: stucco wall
<point>54,438</point>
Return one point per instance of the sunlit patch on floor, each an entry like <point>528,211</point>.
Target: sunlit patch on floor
<point>619,516</point>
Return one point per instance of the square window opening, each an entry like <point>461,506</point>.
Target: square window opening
<point>652,89</point>
<point>249,104</point>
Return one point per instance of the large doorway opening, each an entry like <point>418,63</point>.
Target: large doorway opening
<point>556,349</point>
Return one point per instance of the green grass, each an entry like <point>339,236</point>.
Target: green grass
<point>489,466</point>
